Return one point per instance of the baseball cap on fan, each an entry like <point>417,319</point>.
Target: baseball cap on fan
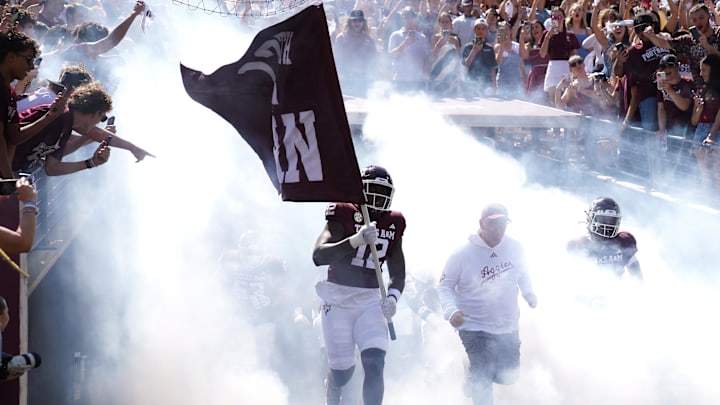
<point>357,15</point>
<point>495,211</point>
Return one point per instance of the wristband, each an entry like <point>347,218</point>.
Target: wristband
<point>89,163</point>
<point>395,293</point>
<point>30,206</point>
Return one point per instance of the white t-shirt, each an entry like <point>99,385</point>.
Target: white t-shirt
<point>483,282</point>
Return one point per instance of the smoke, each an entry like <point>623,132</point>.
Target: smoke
<point>183,337</point>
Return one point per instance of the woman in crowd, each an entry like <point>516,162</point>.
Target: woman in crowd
<point>706,115</point>
<point>559,45</point>
<point>445,66</point>
<point>507,55</point>
<point>577,93</point>
<point>576,24</point>
<point>608,30</point>
<point>530,52</point>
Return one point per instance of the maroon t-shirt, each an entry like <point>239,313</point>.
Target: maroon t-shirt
<point>50,141</point>
<point>640,68</point>
<point>561,45</point>
<point>675,116</point>
<point>710,110</point>
<point>358,270</point>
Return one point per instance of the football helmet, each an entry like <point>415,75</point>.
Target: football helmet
<point>377,187</point>
<point>603,217</point>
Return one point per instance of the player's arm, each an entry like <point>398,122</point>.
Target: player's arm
<point>333,245</point>
<point>396,270</point>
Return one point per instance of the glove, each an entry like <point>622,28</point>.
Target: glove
<point>365,236</point>
<point>389,306</point>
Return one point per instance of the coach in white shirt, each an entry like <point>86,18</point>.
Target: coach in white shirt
<point>479,295</point>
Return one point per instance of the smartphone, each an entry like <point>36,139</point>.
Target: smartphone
<point>110,121</point>
<point>695,33</point>
<point>659,78</point>
<point>8,186</point>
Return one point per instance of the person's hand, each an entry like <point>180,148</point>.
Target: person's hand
<point>708,141</point>
<point>102,154</point>
<point>139,7</point>
<point>664,85</point>
<point>58,105</point>
<point>531,299</point>
<point>388,306</point>
<point>6,24</point>
<point>699,103</point>
<point>365,236</point>
<point>457,318</point>
<point>25,191</point>
<point>140,154</point>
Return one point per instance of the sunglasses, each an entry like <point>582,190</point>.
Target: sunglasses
<point>667,65</point>
<point>576,63</point>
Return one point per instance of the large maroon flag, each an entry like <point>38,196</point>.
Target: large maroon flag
<point>284,98</point>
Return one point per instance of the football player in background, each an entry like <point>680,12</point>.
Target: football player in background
<point>353,313</point>
<point>604,243</point>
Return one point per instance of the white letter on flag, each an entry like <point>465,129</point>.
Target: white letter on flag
<point>293,142</point>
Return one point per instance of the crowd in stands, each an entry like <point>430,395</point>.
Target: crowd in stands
<point>45,120</point>
<point>646,64</point>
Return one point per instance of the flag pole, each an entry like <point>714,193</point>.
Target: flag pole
<point>12,264</point>
<point>378,273</point>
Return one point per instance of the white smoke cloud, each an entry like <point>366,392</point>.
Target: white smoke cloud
<point>182,339</point>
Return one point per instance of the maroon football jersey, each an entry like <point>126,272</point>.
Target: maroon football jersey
<point>612,254</point>
<point>358,270</point>
<point>8,108</point>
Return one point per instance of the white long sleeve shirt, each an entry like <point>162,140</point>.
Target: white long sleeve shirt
<point>483,282</point>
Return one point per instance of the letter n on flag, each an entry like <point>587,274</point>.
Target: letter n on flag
<point>284,99</point>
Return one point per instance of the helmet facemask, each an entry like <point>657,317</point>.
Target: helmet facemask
<point>604,223</point>
<point>378,193</point>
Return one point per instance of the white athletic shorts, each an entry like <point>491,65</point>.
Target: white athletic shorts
<point>351,316</point>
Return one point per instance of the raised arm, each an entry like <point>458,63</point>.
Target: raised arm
<point>117,34</point>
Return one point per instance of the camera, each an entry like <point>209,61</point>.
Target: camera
<point>477,40</point>
<point>445,33</point>
<point>15,366</point>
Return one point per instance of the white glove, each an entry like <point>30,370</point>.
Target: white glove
<point>365,236</point>
<point>389,306</point>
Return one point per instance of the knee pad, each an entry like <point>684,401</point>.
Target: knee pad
<point>338,378</point>
<point>373,361</point>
